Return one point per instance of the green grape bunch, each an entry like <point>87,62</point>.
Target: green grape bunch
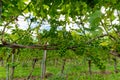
<point>62,50</point>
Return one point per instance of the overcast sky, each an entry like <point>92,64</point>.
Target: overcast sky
<point>23,24</point>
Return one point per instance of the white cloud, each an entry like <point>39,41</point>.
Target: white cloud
<point>22,24</point>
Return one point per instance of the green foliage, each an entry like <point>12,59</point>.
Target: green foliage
<point>98,62</point>
<point>94,20</point>
<point>80,50</point>
<point>62,50</point>
<point>88,39</point>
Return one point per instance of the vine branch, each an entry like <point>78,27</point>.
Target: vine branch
<point>5,26</point>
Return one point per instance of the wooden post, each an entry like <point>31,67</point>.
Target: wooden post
<point>7,71</point>
<point>33,66</point>
<point>63,66</point>
<point>7,67</point>
<point>115,64</point>
<point>89,67</point>
<point>13,66</point>
<point>43,65</point>
<point>2,61</point>
<point>56,62</point>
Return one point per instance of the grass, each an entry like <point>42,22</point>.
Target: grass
<point>2,72</point>
<point>73,71</point>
